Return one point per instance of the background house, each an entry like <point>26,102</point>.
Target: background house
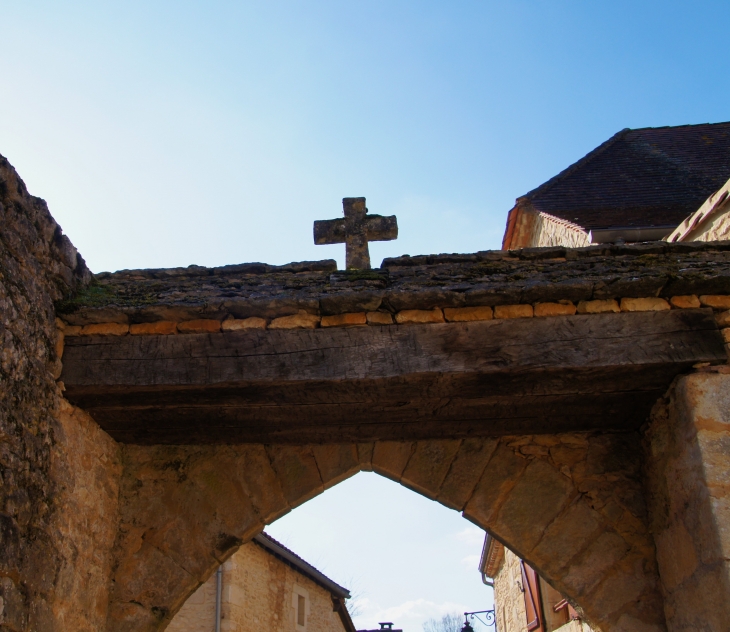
<point>637,186</point>
<point>265,586</point>
<point>524,601</point>
<point>710,222</point>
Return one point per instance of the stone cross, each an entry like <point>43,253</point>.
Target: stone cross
<point>355,230</point>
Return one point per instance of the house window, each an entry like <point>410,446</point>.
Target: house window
<point>300,608</point>
<point>545,608</point>
<point>531,593</point>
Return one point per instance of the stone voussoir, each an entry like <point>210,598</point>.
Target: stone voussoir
<point>644,304</point>
<point>352,319</point>
<point>513,311</point>
<point>199,326</point>
<point>685,302</point>
<point>160,327</point>
<point>302,320</point>
<point>105,329</point>
<point>562,308</point>
<point>715,301</point>
<point>467,314</point>
<point>418,316</point>
<point>237,324</point>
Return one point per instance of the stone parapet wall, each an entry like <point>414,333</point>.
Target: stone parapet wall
<point>485,279</point>
<point>57,492</point>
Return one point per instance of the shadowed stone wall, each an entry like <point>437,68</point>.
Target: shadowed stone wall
<point>259,593</point>
<point>58,470</point>
<point>571,505</point>
<point>689,484</point>
<point>96,535</point>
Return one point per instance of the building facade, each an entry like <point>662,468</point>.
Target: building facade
<point>710,222</point>
<point>637,186</point>
<point>524,601</point>
<point>265,586</point>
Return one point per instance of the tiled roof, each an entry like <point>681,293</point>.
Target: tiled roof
<point>277,549</point>
<point>655,176</point>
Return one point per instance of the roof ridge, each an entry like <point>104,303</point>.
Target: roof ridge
<point>303,566</point>
<point>641,129</point>
<point>545,186</point>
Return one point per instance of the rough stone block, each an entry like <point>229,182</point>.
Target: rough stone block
<point>466,314</point>
<point>726,334</point>
<point>465,472</point>
<point>650,304</point>
<point>555,309</point>
<point>723,319</point>
<point>391,457</point>
<point>352,319</point>
<point>297,471</point>
<point>676,555</point>
<point>428,466</point>
<point>537,497</point>
<point>502,470</point>
<point>513,311</point>
<point>336,462</point>
<point>628,583</point>
<point>199,326</point>
<point>130,617</point>
<point>60,342</point>
<point>302,320</point>
<point>104,329</point>
<point>134,572</point>
<point>379,318</point>
<point>413,316</point>
<point>236,324</point>
<point>163,327</point>
<point>598,307</point>
<point>715,301</point>
<point>685,302</point>
<point>72,330</point>
<point>251,466</point>
<point>365,456</point>
<point>566,536</point>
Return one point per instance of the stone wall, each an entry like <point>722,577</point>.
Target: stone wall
<point>258,591</point>
<point>688,469</point>
<point>58,471</point>
<point>509,602</point>
<point>716,228</point>
<point>571,505</point>
<point>553,231</point>
<point>711,222</point>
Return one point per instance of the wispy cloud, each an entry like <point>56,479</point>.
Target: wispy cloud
<point>471,561</point>
<point>409,615</point>
<point>473,536</point>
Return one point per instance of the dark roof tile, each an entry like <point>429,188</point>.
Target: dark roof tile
<point>655,176</point>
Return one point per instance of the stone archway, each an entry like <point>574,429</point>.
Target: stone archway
<point>570,504</point>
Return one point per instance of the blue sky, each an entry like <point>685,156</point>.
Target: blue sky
<point>171,133</point>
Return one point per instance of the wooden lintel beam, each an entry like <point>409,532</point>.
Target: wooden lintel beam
<point>453,379</point>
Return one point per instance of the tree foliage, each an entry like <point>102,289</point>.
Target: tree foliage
<point>451,622</point>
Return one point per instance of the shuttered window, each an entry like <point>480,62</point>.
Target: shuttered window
<point>531,591</point>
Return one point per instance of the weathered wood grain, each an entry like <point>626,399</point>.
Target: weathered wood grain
<point>330,385</point>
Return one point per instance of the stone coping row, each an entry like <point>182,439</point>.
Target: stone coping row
<point>305,320</point>
<point>522,254</point>
<point>412,283</point>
